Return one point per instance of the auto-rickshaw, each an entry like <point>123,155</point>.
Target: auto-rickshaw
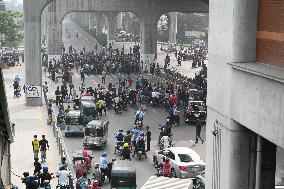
<point>96,133</point>
<point>88,111</point>
<point>123,175</point>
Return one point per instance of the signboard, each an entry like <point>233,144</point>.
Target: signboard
<point>33,91</point>
<point>54,57</point>
<point>196,34</point>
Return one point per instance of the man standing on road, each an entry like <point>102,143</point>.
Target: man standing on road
<point>103,77</point>
<point>198,130</point>
<point>57,95</point>
<point>43,143</point>
<point>82,72</point>
<point>148,135</point>
<point>35,144</point>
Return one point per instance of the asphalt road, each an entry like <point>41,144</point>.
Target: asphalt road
<point>154,116</point>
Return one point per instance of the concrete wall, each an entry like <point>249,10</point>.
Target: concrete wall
<point>270,38</point>
<point>258,103</point>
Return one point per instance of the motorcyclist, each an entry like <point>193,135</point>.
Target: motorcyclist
<point>140,144</point>
<point>97,175</point>
<point>116,103</point>
<point>45,175</point>
<point>17,79</point>
<point>127,138</point>
<point>166,164</point>
<point>104,164</point>
<point>63,176</point>
<point>139,115</point>
<point>30,181</point>
<point>119,139</point>
<point>125,152</point>
<point>165,142</point>
<point>82,182</point>
<point>119,136</point>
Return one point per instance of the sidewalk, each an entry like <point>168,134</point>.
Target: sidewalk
<point>29,121</point>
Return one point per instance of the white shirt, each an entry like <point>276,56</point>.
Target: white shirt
<point>166,141</point>
<point>63,177</point>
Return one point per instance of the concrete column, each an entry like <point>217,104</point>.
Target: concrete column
<point>268,164</point>
<point>33,72</point>
<point>54,41</point>
<point>173,27</point>
<point>232,154</point>
<point>92,20</point>
<point>111,18</point>
<point>148,41</point>
<point>119,21</point>
<point>99,22</point>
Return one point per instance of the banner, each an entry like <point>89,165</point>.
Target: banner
<point>33,91</point>
<point>53,58</point>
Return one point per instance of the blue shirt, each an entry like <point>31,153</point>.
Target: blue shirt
<point>103,162</point>
<point>135,133</point>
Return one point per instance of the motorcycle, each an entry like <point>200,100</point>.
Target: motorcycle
<point>140,153</point>
<point>62,186</point>
<point>140,124</point>
<point>45,185</point>
<point>117,108</point>
<point>118,147</point>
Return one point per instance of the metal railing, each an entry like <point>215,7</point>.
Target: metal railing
<point>61,145</point>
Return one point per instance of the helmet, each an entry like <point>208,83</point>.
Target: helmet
<point>125,145</point>
<point>62,168</point>
<point>141,134</point>
<point>97,165</point>
<point>120,130</point>
<point>45,169</point>
<point>104,154</point>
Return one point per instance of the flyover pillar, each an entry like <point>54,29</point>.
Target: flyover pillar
<point>32,43</point>
<point>173,27</point>
<point>111,21</point>
<point>119,21</point>
<point>54,39</point>
<point>148,41</point>
<point>99,22</point>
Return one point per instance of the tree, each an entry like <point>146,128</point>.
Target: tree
<point>163,29</point>
<point>11,25</point>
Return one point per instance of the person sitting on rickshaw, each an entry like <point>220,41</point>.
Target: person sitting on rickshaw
<point>97,175</point>
<point>95,185</point>
<point>104,164</point>
<point>125,152</point>
<point>79,169</point>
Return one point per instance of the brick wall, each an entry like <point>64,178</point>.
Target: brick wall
<point>270,32</point>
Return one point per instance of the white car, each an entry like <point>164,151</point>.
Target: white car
<point>186,163</point>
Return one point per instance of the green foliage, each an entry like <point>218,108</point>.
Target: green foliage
<point>202,74</point>
<point>101,39</point>
<point>163,29</point>
<point>11,25</point>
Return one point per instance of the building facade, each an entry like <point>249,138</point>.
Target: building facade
<point>6,137</point>
<point>245,93</point>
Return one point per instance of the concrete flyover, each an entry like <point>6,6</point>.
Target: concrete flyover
<point>149,12</point>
